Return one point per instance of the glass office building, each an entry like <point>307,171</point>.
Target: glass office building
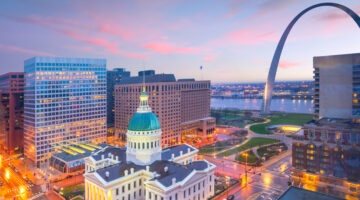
<point>64,103</point>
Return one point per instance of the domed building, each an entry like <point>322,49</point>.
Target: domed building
<point>143,170</point>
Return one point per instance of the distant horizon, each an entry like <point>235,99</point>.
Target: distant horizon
<point>228,38</point>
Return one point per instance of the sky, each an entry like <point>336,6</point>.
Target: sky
<point>234,40</point>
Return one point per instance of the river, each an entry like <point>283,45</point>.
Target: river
<point>283,105</point>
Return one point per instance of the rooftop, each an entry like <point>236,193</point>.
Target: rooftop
<point>81,152</point>
<point>299,193</point>
<point>174,170</point>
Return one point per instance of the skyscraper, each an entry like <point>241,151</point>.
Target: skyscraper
<point>113,77</point>
<point>12,111</point>
<point>182,106</point>
<point>328,151</point>
<point>64,103</point>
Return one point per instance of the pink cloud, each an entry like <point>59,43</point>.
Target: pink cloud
<point>25,51</point>
<point>100,42</point>
<point>80,35</point>
<point>210,57</point>
<point>167,48</point>
<point>288,64</point>
<point>247,37</point>
<point>113,30</point>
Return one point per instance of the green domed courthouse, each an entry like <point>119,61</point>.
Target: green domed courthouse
<point>143,170</point>
<point>143,135</point>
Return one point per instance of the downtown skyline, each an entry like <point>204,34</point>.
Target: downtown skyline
<point>234,41</point>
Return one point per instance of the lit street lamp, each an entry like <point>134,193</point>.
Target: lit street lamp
<point>246,156</point>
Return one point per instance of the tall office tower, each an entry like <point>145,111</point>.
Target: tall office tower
<point>327,153</point>
<point>337,76</point>
<point>64,103</point>
<point>12,112</point>
<point>113,77</point>
<point>182,106</point>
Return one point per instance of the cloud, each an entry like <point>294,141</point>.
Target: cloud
<point>288,64</point>
<point>79,33</point>
<point>247,37</point>
<point>167,48</point>
<point>210,57</point>
<point>24,50</point>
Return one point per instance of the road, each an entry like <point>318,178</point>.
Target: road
<point>263,183</point>
<point>14,184</point>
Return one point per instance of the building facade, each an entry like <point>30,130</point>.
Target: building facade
<point>327,151</point>
<point>143,171</point>
<point>64,103</point>
<point>176,103</point>
<point>12,112</point>
<point>112,78</point>
<point>337,76</point>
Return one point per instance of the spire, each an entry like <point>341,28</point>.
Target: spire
<point>144,98</point>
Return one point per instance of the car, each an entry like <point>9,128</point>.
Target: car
<point>31,183</point>
<point>230,197</point>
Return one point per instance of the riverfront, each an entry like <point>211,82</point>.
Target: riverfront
<point>282,105</point>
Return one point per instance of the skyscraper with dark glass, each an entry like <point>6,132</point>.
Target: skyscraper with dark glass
<point>64,103</point>
<point>113,77</point>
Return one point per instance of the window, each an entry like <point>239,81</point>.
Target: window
<point>123,188</point>
<point>117,191</point>
<point>176,196</point>
<point>129,186</point>
<point>140,192</point>
<point>194,188</point>
<point>189,191</point>
<point>210,177</point>
<point>134,195</point>
<point>184,193</point>
<point>135,184</point>
<point>139,182</point>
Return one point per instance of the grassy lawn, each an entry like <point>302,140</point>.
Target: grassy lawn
<point>250,159</point>
<point>220,146</point>
<point>288,118</point>
<point>68,191</point>
<point>253,142</point>
<point>236,118</point>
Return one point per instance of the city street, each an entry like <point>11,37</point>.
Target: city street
<point>13,184</point>
<point>263,183</point>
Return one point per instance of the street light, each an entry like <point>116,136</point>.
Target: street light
<point>246,156</point>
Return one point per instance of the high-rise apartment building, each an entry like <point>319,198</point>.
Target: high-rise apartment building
<point>64,103</point>
<point>337,86</point>
<point>182,106</point>
<point>113,77</point>
<point>328,151</point>
<point>12,111</point>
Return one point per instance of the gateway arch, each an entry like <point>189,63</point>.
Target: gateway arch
<point>275,61</point>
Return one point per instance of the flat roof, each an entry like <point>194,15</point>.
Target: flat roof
<point>298,193</point>
<point>68,157</point>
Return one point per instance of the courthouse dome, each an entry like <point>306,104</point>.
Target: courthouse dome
<point>144,122</point>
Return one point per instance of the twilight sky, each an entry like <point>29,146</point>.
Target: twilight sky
<point>234,40</point>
